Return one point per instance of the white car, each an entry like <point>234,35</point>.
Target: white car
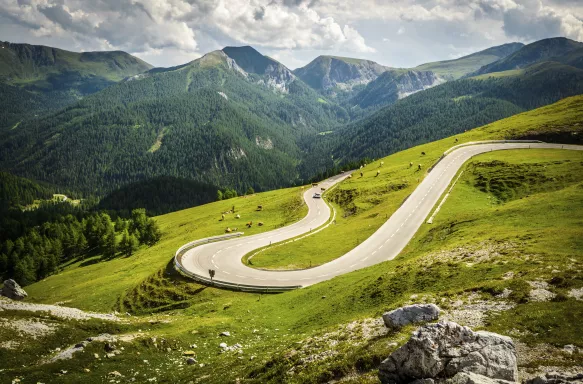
<point>317,196</point>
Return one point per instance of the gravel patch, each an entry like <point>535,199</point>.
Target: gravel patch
<point>9,344</point>
<point>484,252</point>
<point>471,310</point>
<point>32,328</point>
<point>55,310</point>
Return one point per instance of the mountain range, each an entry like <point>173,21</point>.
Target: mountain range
<point>235,118</point>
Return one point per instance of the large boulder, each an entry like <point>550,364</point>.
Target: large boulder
<point>444,349</point>
<point>416,313</point>
<point>12,290</point>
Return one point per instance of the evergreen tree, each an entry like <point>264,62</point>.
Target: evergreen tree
<point>128,243</point>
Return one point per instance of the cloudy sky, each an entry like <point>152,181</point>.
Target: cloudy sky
<point>399,33</point>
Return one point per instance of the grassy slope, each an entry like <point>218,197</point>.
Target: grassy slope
<point>102,283</point>
<point>363,204</point>
<point>454,69</point>
<point>16,62</point>
<point>440,264</point>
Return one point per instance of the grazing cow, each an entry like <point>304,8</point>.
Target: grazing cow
<point>419,167</point>
<point>260,223</point>
<point>238,216</point>
<point>378,172</point>
<point>260,207</point>
<point>249,224</point>
<point>228,230</point>
<point>423,153</point>
<point>410,164</point>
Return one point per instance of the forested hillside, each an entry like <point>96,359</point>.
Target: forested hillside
<point>553,49</point>
<point>46,69</point>
<point>445,110</point>
<point>17,191</point>
<point>159,195</point>
<point>35,79</point>
<point>208,120</point>
<point>457,68</point>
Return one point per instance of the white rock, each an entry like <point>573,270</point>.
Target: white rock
<point>444,349</point>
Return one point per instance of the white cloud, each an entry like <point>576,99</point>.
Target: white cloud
<point>168,32</point>
<point>274,25</point>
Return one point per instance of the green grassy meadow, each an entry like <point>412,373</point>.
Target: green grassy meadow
<point>512,219</point>
<point>103,283</point>
<point>364,203</point>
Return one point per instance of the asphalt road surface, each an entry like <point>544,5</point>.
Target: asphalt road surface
<point>385,244</point>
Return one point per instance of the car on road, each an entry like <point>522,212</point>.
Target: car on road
<point>317,195</point>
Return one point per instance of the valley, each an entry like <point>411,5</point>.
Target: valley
<point>319,184</point>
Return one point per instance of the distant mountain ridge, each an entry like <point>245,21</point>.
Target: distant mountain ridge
<point>208,120</point>
<point>394,85</point>
<point>41,68</point>
<point>552,49</point>
<point>272,73</point>
<point>236,118</point>
<point>330,73</point>
<point>457,68</point>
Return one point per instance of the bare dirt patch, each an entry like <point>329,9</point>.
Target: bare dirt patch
<point>55,310</point>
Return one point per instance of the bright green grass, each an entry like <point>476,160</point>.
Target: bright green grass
<point>539,219</point>
<point>457,68</point>
<point>509,73</point>
<point>270,327</point>
<point>102,283</point>
<point>365,203</point>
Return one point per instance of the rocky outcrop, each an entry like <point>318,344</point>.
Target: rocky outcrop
<point>326,73</point>
<point>443,350</point>
<point>12,290</point>
<point>394,85</point>
<point>416,313</point>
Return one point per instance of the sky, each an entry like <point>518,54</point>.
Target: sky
<point>399,33</point>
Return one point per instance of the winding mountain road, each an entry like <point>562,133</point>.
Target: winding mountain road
<point>385,244</point>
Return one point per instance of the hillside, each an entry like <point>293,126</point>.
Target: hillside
<point>159,195</point>
<point>208,120</point>
<point>46,69</point>
<point>457,68</point>
<point>394,85</point>
<point>486,261</point>
<point>271,72</point>
<point>339,76</point>
<point>35,79</point>
<point>539,51</point>
<point>448,109</point>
